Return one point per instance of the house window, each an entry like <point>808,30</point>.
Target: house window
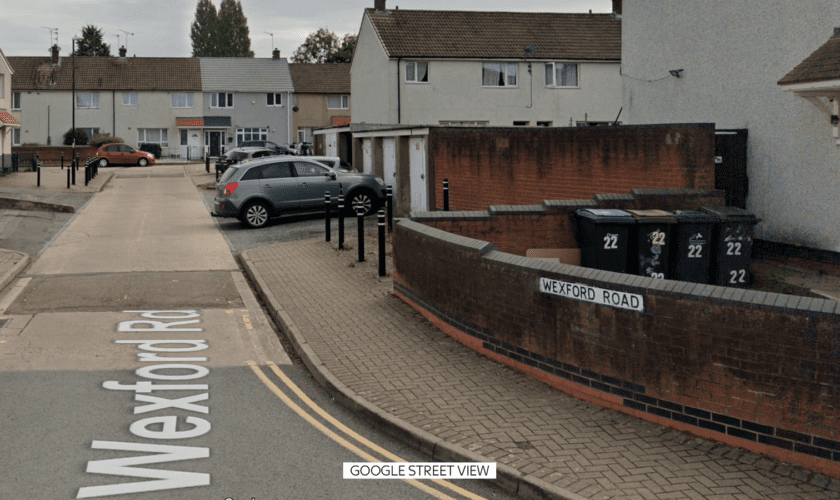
<point>544,124</point>
<point>184,133</point>
<point>87,99</point>
<point>182,100</point>
<point>464,123</point>
<point>561,75</point>
<point>521,124</point>
<point>129,98</point>
<point>303,133</point>
<point>251,134</point>
<point>498,74</point>
<point>274,99</point>
<point>90,131</point>
<point>16,101</point>
<point>159,136</point>
<point>15,137</point>
<point>338,102</point>
<point>2,87</point>
<point>417,72</point>
<point>221,100</point>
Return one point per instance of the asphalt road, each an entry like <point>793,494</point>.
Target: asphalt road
<point>135,360</point>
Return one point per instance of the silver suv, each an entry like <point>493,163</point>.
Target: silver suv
<point>267,187</point>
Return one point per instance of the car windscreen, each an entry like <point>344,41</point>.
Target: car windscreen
<point>236,155</point>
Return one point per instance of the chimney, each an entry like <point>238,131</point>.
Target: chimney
<point>122,52</point>
<point>275,54</point>
<point>54,50</point>
<point>617,7</point>
<point>379,5</point>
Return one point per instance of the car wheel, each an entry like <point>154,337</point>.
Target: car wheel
<point>362,198</point>
<point>255,215</point>
<point>103,162</point>
<point>143,162</point>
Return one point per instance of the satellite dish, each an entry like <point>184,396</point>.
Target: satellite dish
<point>530,49</point>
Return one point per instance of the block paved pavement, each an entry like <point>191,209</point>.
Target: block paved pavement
<point>384,352</point>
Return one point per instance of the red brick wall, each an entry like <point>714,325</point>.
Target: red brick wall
<point>52,154</point>
<point>521,166</point>
<point>756,370</point>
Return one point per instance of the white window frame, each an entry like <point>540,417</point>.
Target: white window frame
<point>221,100</point>
<point>2,86</point>
<point>16,137</point>
<point>129,98</point>
<point>16,101</point>
<point>505,69</point>
<point>187,97</point>
<point>163,134</point>
<point>91,97</point>
<point>551,76</point>
<point>275,98</point>
<point>90,131</point>
<point>411,70</point>
<point>343,101</point>
<point>261,134</point>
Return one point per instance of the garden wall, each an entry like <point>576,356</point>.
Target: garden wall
<point>753,369</point>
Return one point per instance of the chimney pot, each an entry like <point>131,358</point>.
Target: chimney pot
<point>617,7</point>
<point>54,49</point>
<point>122,52</point>
<point>275,54</point>
<point>379,5</point>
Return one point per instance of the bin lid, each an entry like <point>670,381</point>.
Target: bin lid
<point>651,216</point>
<point>732,214</point>
<point>694,217</point>
<point>606,215</point>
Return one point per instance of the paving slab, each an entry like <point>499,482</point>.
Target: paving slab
<point>384,360</point>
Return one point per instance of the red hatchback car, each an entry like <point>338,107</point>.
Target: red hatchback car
<point>123,154</point>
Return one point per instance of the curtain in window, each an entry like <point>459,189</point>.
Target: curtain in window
<point>566,75</point>
<point>422,72</point>
<point>511,74</point>
<point>491,75</point>
<point>410,73</point>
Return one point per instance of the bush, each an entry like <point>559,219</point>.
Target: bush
<point>100,139</point>
<point>81,137</point>
<point>155,149</point>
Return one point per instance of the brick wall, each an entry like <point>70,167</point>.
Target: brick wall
<point>515,229</point>
<point>52,154</point>
<point>521,166</point>
<point>753,369</point>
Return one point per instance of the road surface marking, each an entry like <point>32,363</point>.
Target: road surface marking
<point>332,435</point>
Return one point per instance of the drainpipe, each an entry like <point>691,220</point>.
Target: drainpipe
<point>289,118</point>
<point>399,110</point>
<point>114,114</point>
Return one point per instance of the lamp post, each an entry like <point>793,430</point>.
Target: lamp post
<point>73,130</point>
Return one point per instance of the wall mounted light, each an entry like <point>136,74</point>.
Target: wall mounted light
<point>835,120</point>
<point>676,72</point>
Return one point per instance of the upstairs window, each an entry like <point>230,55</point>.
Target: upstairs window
<point>338,102</point>
<point>87,99</point>
<point>498,74</point>
<point>417,72</point>
<point>221,100</point>
<point>16,101</point>
<point>129,98</point>
<point>182,100</point>
<point>274,99</point>
<point>561,74</point>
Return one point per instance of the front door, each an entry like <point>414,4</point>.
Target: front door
<point>731,166</point>
<point>193,144</point>
<point>417,170</point>
<point>215,143</point>
<point>389,146</point>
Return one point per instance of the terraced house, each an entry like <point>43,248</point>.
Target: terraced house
<point>9,125</point>
<point>187,106</point>
<point>418,67</point>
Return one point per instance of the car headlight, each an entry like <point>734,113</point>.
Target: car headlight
<point>380,181</point>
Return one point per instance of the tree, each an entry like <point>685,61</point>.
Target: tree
<point>324,46</point>
<point>233,30</point>
<point>80,134</point>
<point>203,32</point>
<point>222,34</point>
<point>91,43</point>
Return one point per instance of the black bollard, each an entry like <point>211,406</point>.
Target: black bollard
<point>207,162</point>
<point>327,221</point>
<point>87,172</point>
<point>39,174</point>
<point>389,203</point>
<point>62,161</point>
<point>446,195</point>
<point>341,222</point>
<point>360,217</point>
<point>68,177</point>
<point>73,169</point>
<point>381,242</point>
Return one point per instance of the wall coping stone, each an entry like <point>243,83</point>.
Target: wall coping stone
<point>450,216</point>
<point>517,209</point>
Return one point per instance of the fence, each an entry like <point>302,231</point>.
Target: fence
<point>17,162</point>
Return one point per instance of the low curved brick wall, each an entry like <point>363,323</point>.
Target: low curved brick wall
<point>753,369</point>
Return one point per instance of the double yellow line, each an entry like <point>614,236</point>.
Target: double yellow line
<point>347,431</point>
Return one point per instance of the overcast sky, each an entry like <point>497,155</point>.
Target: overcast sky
<point>161,28</point>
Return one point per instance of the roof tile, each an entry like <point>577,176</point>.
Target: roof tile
<point>321,78</point>
<point>822,65</point>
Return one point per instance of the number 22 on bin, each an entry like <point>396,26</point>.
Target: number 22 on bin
<point>611,242</point>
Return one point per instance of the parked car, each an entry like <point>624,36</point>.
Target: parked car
<point>283,150</point>
<point>258,190</point>
<point>123,154</point>
<point>334,162</point>
<point>239,155</point>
